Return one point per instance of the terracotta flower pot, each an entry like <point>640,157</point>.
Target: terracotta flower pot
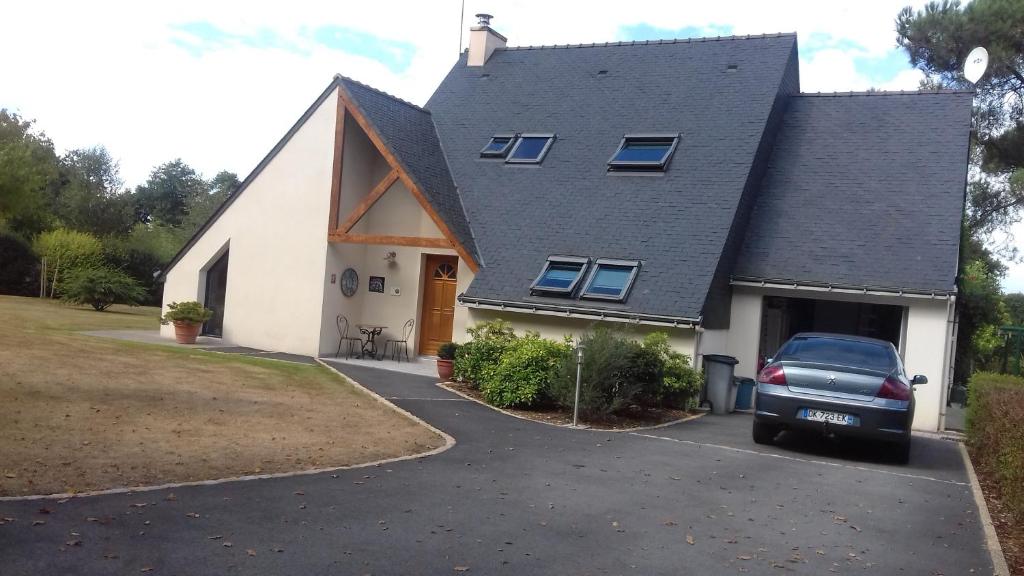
<point>186,332</point>
<point>444,369</point>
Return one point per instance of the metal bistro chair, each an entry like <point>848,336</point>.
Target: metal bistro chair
<point>353,341</point>
<point>396,352</point>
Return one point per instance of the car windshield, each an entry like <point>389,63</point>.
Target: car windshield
<point>839,352</point>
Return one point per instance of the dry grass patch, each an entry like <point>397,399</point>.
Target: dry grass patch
<point>85,413</point>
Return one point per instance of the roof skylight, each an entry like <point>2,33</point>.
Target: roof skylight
<point>498,146</point>
<point>530,149</point>
<point>644,152</point>
<point>560,275</point>
<point>611,279</point>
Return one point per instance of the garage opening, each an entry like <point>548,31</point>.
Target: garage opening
<point>782,317</point>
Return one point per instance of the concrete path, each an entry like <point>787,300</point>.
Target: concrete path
<point>205,343</point>
<point>517,497</point>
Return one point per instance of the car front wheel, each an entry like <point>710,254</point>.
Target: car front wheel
<point>764,433</point>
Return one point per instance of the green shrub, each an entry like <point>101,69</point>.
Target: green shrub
<point>101,287</point>
<point>192,312</point>
<point>71,248</point>
<point>681,383</point>
<point>524,372</point>
<point>995,432</point>
<point>66,251</point>
<point>19,267</point>
<point>606,382</point>
<point>447,351</point>
<point>475,359</point>
<point>138,261</point>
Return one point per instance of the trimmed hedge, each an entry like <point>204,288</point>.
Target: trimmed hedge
<point>995,432</point>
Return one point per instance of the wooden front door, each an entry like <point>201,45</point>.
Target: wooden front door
<point>439,285</point>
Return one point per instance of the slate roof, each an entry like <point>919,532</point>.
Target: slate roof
<point>408,132</point>
<point>863,190</point>
<point>676,223</point>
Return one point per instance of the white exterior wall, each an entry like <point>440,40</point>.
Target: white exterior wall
<point>745,331</point>
<point>276,230</point>
<point>927,353</point>
<point>556,327</point>
<point>925,350</point>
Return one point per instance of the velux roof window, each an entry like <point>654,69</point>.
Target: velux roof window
<point>560,275</point>
<point>611,279</point>
<point>530,149</point>
<point>644,152</point>
<point>498,146</point>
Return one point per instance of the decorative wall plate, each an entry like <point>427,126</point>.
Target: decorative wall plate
<point>349,282</point>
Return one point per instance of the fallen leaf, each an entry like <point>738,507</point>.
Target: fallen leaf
<point>75,542</point>
<point>744,557</point>
<point>147,569</point>
<point>170,497</point>
<point>45,510</point>
<point>192,515</point>
<point>227,544</point>
<point>689,539</point>
<point>217,537</point>
<point>300,493</point>
<point>462,568</point>
<point>250,551</point>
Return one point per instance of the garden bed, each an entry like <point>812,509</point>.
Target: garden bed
<point>628,420</point>
<point>1010,532</point>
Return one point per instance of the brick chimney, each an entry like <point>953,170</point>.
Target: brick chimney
<point>483,41</point>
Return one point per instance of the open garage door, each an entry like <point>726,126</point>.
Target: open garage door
<point>783,317</point>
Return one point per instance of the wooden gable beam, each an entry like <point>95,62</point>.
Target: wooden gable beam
<point>368,201</point>
<point>390,240</point>
<point>407,180</point>
<point>339,150</point>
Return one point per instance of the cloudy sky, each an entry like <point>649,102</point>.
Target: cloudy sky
<point>218,83</point>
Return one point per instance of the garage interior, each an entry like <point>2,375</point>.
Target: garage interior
<point>783,317</point>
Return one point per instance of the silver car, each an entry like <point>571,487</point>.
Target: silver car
<point>836,384</point>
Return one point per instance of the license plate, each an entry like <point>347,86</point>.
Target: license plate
<point>826,416</point>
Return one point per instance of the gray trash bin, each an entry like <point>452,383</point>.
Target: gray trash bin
<point>721,387</point>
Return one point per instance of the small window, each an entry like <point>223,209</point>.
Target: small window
<point>611,279</point>
<point>530,148</point>
<point>644,152</point>
<point>560,275</point>
<point>499,146</point>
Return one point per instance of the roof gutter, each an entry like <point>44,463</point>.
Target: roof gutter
<point>840,288</point>
<point>580,312</point>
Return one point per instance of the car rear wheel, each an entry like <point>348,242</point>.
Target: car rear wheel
<point>901,452</point>
<point>764,433</point>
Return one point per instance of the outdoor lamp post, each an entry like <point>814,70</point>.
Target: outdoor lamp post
<point>579,374</point>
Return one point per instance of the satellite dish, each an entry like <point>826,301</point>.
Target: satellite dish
<point>977,62</point>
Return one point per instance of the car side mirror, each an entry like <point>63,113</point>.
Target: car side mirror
<point>919,379</point>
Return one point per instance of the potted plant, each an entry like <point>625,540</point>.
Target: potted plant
<point>188,318</point>
<point>445,360</point>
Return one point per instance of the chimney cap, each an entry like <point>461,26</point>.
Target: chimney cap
<point>483,19</point>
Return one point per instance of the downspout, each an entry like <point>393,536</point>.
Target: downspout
<point>952,326</point>
<point>698,331</point>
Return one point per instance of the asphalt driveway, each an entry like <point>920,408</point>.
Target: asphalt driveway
<point>516,497</point>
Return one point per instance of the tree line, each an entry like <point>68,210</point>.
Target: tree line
<point>70,228</point>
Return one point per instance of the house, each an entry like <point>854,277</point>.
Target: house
<point>686,186</point>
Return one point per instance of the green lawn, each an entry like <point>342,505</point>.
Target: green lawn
<point>83,413</point>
